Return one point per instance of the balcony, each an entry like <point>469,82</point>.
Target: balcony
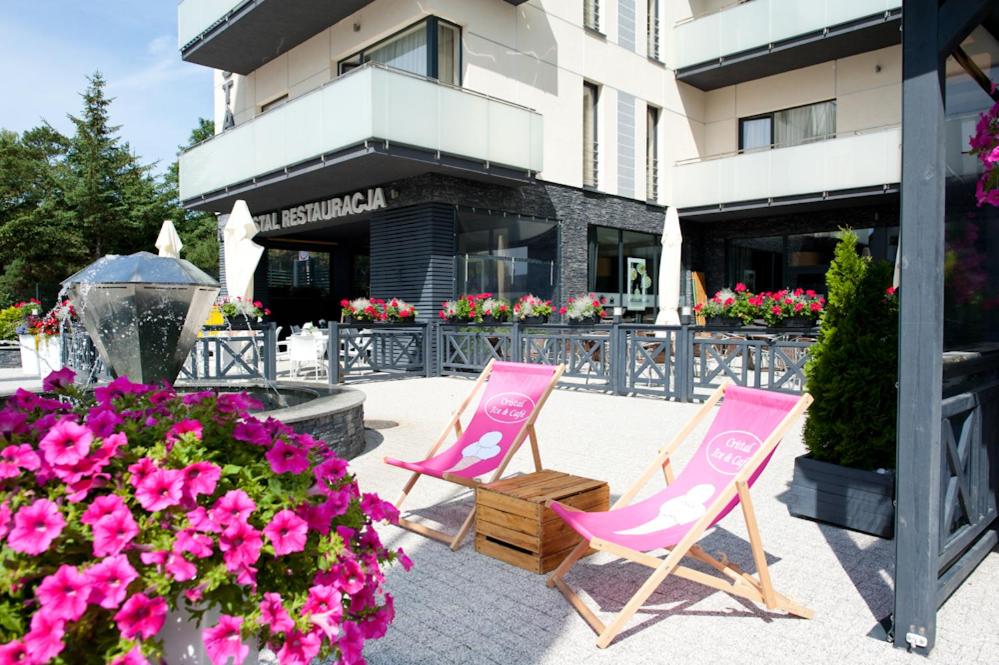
<point>241,35</point>
<point>860,164</point>
<point>760,38</point>
<point>371,126</point>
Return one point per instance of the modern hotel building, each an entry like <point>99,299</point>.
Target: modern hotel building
<point>424,149</point>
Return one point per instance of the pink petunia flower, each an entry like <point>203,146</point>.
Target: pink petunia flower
<point>15,458</point>
<point>180,568</point>
<point>113,533</point>
<point>160,489</point>
<point>101,507</point>
<point>102,421</point>
<point>64,593</point>
<point>323,599</point>
<point>200,520</point>
<point>15,653</point>
<point>142,470</point>
<point>374,626</point>
<point>35,527</point>
<point>66,443</point>
<point>299,648</point>
<point>201,478</point>
<point>142,616</point>
<point>133,657</point>
<point>287,533</point>
<point>287,459</point>
<point>273,613</point>
<point>240,545</point>
<point>222,642</point>
<point>351,645</point>
<point>198,544</point>
<point>404,561</point>
<point>58,380</point>
<point>233,506</point>
<point>189,426</point>
<point>109,580</point>
<point>110,446</point>
<point>252,432</point>
<point>377,509</point>
<point>44,640</point>
<point>4,520</point>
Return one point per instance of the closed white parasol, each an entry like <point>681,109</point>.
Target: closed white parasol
<point>241,253</point>
<point>168,242</point>
<point>669,271</point>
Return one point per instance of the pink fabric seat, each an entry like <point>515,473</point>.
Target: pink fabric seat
<point>511,395</point>
<point>744,421</point>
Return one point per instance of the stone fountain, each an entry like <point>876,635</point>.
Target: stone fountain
<point>143,312</point>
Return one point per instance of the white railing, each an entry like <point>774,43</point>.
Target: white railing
<point>371,102</point>
<point>758,23</point>
<point>859,159</point>
<point>196,16</point>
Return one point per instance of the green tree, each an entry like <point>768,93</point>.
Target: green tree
<point>853,367</point>
<point>198,230</point>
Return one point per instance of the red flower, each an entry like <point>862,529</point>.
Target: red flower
<point>698,307</point>
<point>775,310</point>
<point>562,310</point>
<point>729,302</point>
<point>740,287</point>
<point>891,290</point>
<point>816,307</point>
<point>344,303</point>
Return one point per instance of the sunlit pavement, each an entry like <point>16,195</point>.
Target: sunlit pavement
<point>464,607</point>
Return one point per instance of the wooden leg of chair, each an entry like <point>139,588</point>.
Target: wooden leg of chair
<point>636,602</point>
<point>759,555</point>
<point>463,531</point>
<point>575,555</point>
<point>577,604</point>
<point>406,489</point>
<point>534,447</point>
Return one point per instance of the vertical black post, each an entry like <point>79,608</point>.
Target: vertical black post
<point>270,352</point>
<point>333,354</point>
<point>917,481</point>
<point>618,357</point>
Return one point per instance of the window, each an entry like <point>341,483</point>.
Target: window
<point>789,127</point>
<point>430,48</point>
<point>623,267</point>
<point>274,103</point>
<point>591,14</point>
<point>590,164</point>
<point>653,29</point>
<point>652,153</point>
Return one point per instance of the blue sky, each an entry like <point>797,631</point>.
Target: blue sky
<point>48,47</point>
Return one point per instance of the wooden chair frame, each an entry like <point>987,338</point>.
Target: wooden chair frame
<point>735,581</point>
<point>526,431</point>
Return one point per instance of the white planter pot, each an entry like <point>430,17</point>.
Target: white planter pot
<point>29,354</point>
<point>49,354</point>
<point>183,644</point>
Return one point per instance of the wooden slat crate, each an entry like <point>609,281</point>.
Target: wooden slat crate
<point>513,524</point>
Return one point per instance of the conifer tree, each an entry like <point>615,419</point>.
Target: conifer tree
<point>853,367</point>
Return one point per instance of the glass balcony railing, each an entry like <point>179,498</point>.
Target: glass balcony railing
<point>758,23</point>
<point>861,159</point>
<point>196,16</point>
<point>504,276</point>
<point>369,103</point>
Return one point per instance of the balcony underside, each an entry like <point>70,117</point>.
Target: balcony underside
<point>786,205</point>
<point>258,31</point>
<point>367,165</point>
<point>841,41</point>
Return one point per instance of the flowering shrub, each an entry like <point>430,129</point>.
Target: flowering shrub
<point>240,308</point>
<point>48,324</point>
<point>497,308</point>
<point>985,145</point>
<point>363,309</point>
<point>13,319</point>
<point>466,308</point>
<point>119,507</point>
<point>584,306</point>
<point>531,305</point>
<point>398,309</point>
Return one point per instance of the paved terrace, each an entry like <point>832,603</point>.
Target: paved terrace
<point>467,608</point>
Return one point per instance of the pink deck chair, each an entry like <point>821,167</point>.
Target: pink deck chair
<point>513,397</point>
<point>737,447</point>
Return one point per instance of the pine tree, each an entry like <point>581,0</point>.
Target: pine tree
<point>853,367</point>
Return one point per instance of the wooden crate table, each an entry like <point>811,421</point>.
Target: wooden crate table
<point>513,524</point>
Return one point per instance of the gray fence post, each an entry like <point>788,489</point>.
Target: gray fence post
<point>270,352</point>
<point>439,356</point>
<point>683,368</point>
<point>515,351</point>
<point>618,357</point>
<point>428,365</point>
<point>333,354</point>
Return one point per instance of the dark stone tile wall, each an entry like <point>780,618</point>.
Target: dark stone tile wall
<point>343,431</point>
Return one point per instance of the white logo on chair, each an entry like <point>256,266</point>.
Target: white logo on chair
<point>728,452</point>
<point>487,447</point>
<point>509,408</point>
<point>683,509</point>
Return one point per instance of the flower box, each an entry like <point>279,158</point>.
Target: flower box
<point>40,354</point>
<point>584,321</point>
<point>854,499</point>
<point>796,322</point>
<point>534,320</point>
<point>726,321</point>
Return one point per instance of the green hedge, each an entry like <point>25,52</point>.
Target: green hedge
<point>10,318</point>
<point>853,367</point>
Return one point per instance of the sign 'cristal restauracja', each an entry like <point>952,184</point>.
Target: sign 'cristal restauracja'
<point>319,211</point>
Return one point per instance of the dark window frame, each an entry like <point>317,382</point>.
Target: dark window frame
<point>595,88</point>
<point>772,116</point>
<point>431,25</point>
<point>652,161</point>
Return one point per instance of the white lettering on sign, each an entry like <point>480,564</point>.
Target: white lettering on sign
<point>509,407</point>
<point>729,451</point>
<point>322,211</point>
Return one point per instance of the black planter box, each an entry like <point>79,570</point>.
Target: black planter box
<point>727,321</point>
<point>850,498</point>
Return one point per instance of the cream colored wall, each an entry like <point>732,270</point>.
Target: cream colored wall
<point>865,98</point>
<point>537,55</point>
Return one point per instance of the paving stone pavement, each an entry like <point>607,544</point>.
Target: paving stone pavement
<point>462,607</point>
